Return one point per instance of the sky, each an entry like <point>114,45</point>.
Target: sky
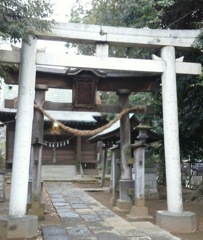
<point>62,9</point>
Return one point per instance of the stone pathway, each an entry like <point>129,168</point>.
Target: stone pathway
<point>85,218</point>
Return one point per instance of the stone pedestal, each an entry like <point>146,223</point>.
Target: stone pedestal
<point>123,206</point>
<point>25,227</point>
<point>115,174</point>
<point>151,191</point>
<point>138,213</point>
<point>114,198</point>
<point>184,222</point>
<point>37,209</point>
<point>113,201</point>
<point>124,203</point>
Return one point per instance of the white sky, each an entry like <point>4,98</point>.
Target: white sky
<point>62,10</point>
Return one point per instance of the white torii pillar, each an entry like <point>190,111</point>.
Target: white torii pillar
<point>175,219</point>
<point>18,224</point>
<point>171,132</point>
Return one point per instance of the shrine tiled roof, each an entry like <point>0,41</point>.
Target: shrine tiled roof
<point>54,95</point>
<point>7,114</point>
<point>112,134</point>
<point>86,117</point>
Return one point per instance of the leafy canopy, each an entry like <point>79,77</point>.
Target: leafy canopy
<point>159,14</point>
<point>19,18</point>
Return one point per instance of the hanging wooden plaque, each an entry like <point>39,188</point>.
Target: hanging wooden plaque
<point>84,93</point>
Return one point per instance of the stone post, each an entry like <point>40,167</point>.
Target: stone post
<point>78,155</point>
<point>2,185</point>
<point>174,219</point>
<point>104,155</point>
<point>36,157</point>
<point>17,224</point>
<point>124,202</point>
<point>114,173</point>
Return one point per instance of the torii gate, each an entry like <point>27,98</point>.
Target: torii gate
<point>102,36</point>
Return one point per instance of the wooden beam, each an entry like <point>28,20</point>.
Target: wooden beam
<point>120,36</point>
<point>60,80</point>
<point>53,106</point>
<point>113,108</point>
<point>135,84</point>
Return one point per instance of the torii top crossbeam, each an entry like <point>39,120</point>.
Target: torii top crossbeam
<point>120,36</point>
<point>103,37</point>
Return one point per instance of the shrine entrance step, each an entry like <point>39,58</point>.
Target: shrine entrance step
<point>58,172</point>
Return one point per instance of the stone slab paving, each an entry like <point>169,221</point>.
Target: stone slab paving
<point>85,218</point>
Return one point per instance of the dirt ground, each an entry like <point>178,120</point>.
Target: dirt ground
<point>51,216</point>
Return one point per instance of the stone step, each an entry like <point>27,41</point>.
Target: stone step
<point>58,172</point>
<point>90,172</point>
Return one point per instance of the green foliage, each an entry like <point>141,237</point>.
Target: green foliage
<point>19,18</point>
<point>117,13</point>
<point>199,43</point>
<point>159,14</point>
<point>138,14</point>
<point>6,68</point>
<point>183,14</point>
<point>109,97</point>
<point>191,117</point>
<point>188,15</point>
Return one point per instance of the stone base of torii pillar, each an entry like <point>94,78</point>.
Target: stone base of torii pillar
<point>184,222</point>
<point>21,227</point>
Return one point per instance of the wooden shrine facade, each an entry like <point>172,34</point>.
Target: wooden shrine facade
<point>60,147</point>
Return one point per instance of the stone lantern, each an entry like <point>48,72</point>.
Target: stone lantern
<point>139,210</point>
